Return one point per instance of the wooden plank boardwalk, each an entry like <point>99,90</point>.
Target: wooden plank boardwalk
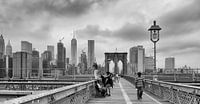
<point>124,93</point>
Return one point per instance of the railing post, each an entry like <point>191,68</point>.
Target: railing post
<point>172,94</point>
<point>160,90</point>
<point>32,87</point>
<point>193,97</point>
<point>152,88</point>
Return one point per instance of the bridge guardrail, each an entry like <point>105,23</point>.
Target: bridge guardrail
<point>34,85</point>
<point>74,94</point>
<point>172,92</point>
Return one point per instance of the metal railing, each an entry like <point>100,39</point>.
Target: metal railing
<point>172,92</point>
<point>33,86</point>
<point>74,94</point>
<point>180,77</point>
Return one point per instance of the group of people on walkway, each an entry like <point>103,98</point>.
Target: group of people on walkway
<point>105,82</point>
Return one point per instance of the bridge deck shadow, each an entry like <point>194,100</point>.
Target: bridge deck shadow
<point>117,96</point>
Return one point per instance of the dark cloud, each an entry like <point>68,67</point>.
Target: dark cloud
<point>181,21</point>
<point>17,24</point>
<point>179,47</point>
<point>20,18</point>
<point>128,32</point>
<point>135,32</point>
<point>93,31</point>
<point>70,8</point>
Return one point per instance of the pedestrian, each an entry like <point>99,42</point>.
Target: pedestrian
<point>95,67</point>
<point>108,82</point>
<point>117,78</point>
<point>139,84</point>
<point>100,89</point>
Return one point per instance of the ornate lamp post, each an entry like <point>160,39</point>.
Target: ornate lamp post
<point>154,36</point>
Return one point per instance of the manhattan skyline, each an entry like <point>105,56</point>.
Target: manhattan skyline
<point>108,22</point>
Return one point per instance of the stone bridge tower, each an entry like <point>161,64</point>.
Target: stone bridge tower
<point>116,57</point>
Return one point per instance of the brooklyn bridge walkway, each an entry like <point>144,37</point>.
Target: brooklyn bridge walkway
<point>124,93</point>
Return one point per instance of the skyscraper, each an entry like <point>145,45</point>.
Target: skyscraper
<point>2,68</point>
<point>137,58</point>
<point>91,53</point>
<point>149,63</point>
<point>51,49</point>
<point>83,62</point>
<point>61,51</point>
<point>2,47</point>
<point>26,47</point>
<point>74,51</point>
<point>9,49</point>
<point>9,66</point>
<point>8,60</point>
<point>67,60</point>
<point>35,63</point>
<point>47,57</point>
<point>169,64</point>
<point>22,65</point>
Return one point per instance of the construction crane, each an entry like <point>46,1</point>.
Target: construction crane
<point>61,39</point>
<point>83,50</point>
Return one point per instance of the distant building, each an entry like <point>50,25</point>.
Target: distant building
<point>46,55</point>
<point>136,57</point>
<point>169,64</point>
<point>22,65</point>
<point>149,64</point>
<point>8,66</point>
<point>74,51</point>
<point>9,49</point>
<point>51,49</point>
<point>91,53</point>
<point>26,47</point>
<point>129,70</point>
<point>46,63</point>
<point>83,63</point>
<point>67,60</point>
<point>61,51</point>
<point>2,68</point>
<point>9,60</point>
<point>35,64</point>
<point>2,47</point>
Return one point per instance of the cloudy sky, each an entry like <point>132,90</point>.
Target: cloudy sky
<point>113,24</point>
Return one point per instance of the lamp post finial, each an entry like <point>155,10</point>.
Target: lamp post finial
<point>154,23</point>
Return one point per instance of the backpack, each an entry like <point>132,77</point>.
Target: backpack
<point>139,82</point>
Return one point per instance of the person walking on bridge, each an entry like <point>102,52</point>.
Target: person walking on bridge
<point>139,84</point>
<point>108,82</point>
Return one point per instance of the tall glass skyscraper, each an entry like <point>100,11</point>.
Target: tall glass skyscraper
<point>26,47</point>
<point>22,65</point>
<point>9,49</point>
<point>91,53</point>
<point>51,49</point>
<point>74,51</point>
<point>35,63</point>
<point>61,54</point>
<point>2,47</point>
<point>136,57</point>
<point>83,62</point>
